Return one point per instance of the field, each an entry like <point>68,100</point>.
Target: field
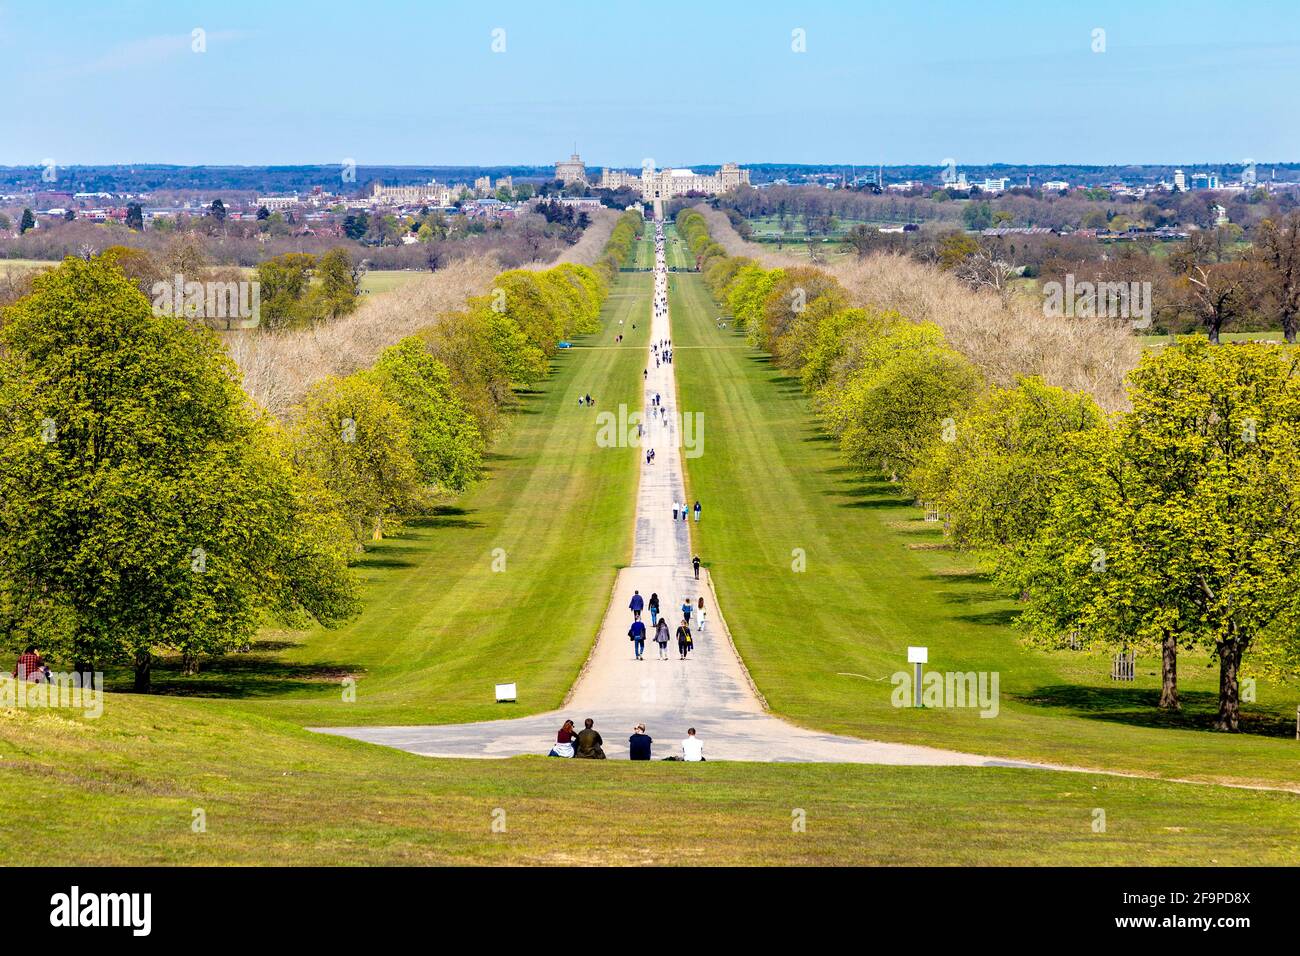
<point>822,644</point>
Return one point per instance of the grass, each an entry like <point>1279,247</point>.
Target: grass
<point>127,788</point>
<point>440,626</point>
<point>822,644</point>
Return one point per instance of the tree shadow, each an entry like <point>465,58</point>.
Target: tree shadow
<point>1139,707</point>
<point>238,676</point>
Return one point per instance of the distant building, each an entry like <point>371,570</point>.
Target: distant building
<point>571,171</point>
<point>1205,181</point>
<point>1180,180</point>
<point>1055,185</point>
<point>993,185</point>
<point>274,203</point>
<point>668,183</point>
<point>617,179</point>
<point>432,193</point>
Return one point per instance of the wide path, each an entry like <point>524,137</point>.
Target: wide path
<point>709,691</point>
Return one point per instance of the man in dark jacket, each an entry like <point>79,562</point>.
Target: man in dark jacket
<point>590,745</point>
<point>636,605</point>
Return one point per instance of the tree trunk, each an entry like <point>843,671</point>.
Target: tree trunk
<point>189,663</point>
<point>1169,673</point>
<point>143,668</point>
<point>1229,718</point>
<point>1214,333</point>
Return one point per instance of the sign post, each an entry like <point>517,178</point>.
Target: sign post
<point>917,656</point>
<point>506,693</point>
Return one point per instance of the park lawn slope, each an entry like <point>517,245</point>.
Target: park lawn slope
<point>822,644</point>
<point>167,781</point>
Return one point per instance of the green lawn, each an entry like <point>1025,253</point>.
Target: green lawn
<point>439,625</point>
<point>124,789</point>
<point>822,644</point>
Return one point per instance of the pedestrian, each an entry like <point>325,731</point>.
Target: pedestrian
<point>697,511</point>
<point>637,635</point>
<point>636,605</point>
<point>674,510</point>
<point>639,743</point>
<point>590,744</point>
<point>685,514</point>
<point>661,638</point>
<point>695,563</point>
<point>692,747</point>
<point>701,610</point>
<point>686,610</point>
<point>683,639</point>
<point>654,608</point>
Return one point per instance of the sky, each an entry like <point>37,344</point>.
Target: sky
<point>282,82</point>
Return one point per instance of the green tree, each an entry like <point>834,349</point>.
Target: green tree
<point>284,282</point>
<point>218,210</point>
<point>338,292</point>
<point>135,216</point>
<point>28,221</point>
<point>142,498</point>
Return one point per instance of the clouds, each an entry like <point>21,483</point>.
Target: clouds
<point>156,50</point>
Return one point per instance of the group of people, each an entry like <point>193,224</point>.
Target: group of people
<point>684,510</point>
<point>587,744</point>
<point>586,400</point>
<point>31,667</point>
<point>637,632</point>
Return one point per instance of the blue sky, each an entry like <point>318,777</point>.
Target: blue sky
<point>286,81</point>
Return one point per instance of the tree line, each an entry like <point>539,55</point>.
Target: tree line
<point>147,505</point>
<point>1171,525</point>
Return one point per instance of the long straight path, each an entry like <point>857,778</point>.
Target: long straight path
<point>710,690</point>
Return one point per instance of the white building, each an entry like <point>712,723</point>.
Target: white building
<point>668,183</point>
<point>275,203</point>
<point>573,170</point>
<point>1055,185</point>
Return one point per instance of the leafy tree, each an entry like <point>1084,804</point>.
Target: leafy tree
<point>356,443</point>
<point>284,283</point>
<point>28,221</point>
<point>142,499</point>
<point>338,291</point>
<point>355,226</point>
<point>218,210</point>
<point>445,438</point>
<point>1191,510</point>
<point>135,216</point>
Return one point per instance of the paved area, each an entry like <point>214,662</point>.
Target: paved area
<point>709,691</point>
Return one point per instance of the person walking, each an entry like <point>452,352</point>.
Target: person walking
<point>686,610</point>
<point>637,635</point>
<point>695,563</point>
<point>661,638</point>
<point>697,511</point>
<point>674,510</point>
<point>684,640</point>
<point>636,605</point>
<point>590,744</point>
<point>654,608</point>
<point>702,613</point>
<point>639,743</point>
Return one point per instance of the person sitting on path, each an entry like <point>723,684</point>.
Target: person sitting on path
<point>637,634</point>
<point>661,638</point>
<point>636,605</point>
<point>639,743</point>
<point>654,608</point>
<point>692,747</point>
<point>564,741</point>
<point>590,744</point>
<point>695,563</point>
<point>684,640</point>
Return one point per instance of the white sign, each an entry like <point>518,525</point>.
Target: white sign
<point>918,655</point>
<point>505,692</point>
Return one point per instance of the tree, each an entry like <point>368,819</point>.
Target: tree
<point>142,498</point>
<point>1182,528</point>
<point>1277,249</point>
<point>339,290</point>
<point>28,221</point>
<point>445,438</point>
<point>977,215</point>
<point>356,443</point>
<point>69,215</point>
<point>355,226</point>
<point>218,210</point>
<point>283,285</point>
<point>263,214</point>
<point>135,216</point>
